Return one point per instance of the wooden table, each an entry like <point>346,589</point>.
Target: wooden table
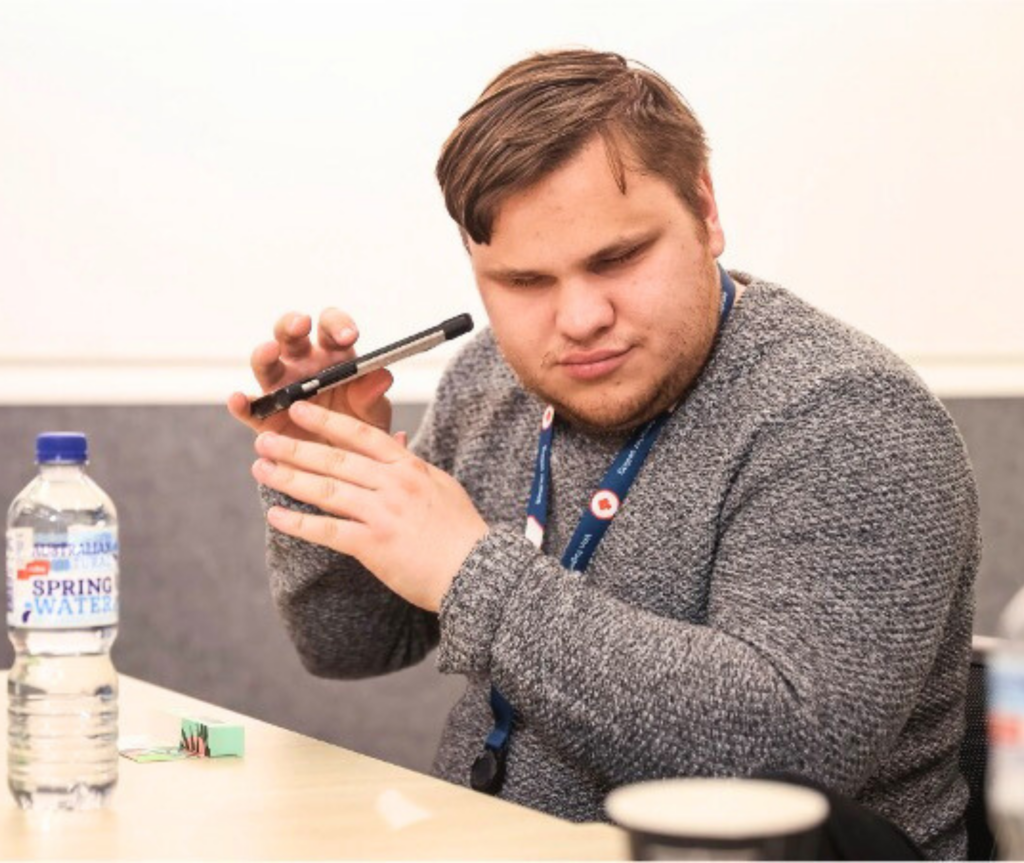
<point>289,797</point>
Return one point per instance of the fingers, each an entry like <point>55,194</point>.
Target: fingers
<point>344,536</point>
<point>291,332</point>
<point>347,432</point>
<point>317,458</point>
<point>238,407</point>
<point>336,335</point>
<point>336,331</point>
<point>324,492</point>
<point>267,367</point>
<point>366,398</point>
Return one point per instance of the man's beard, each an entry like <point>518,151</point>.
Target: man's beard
<point>609,416</point>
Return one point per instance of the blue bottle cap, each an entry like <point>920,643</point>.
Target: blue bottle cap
<point>62,448</point>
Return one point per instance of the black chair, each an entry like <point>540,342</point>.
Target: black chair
<point>974,756</point>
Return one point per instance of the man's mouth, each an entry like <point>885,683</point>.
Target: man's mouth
<point>590,365</point>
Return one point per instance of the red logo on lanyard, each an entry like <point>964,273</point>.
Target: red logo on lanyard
<point>604,504</point>
<point>548,418</point>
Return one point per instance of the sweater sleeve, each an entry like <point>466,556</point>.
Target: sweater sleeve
<point>342,620</point>
<point>843,537</point>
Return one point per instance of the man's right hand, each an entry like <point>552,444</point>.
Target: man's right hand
<point>293,356</point>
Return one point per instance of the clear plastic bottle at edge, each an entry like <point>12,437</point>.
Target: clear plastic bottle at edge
<point>62,614</point>
<point>1005,791</point>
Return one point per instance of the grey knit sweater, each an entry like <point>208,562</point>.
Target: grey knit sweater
<point>788,585</point>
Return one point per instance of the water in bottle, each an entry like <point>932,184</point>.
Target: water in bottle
<point>62,613</point>
<point>1006,733</point>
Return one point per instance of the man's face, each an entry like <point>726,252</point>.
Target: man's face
<point>604,304</point>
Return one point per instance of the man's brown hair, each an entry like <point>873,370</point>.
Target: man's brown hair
<point>538,113</point>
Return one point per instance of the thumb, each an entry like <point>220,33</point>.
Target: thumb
<point>367,401</point>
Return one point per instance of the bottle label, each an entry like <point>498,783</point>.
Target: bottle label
<point>62,581</point>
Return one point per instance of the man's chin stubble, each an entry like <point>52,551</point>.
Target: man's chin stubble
<point>609,418</point>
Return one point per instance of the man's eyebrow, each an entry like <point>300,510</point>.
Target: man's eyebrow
<point>621,246</point>
<point>612,250</point>
<point>508,274</point>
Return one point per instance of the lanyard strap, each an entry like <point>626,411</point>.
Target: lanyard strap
<point>604,503</point>
<point>488,770</point>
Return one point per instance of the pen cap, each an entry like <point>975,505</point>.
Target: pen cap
<point>457,326</point>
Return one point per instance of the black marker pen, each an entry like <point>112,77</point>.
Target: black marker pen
<point>353,369</point>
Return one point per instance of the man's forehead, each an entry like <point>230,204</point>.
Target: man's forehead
<point>592,167</point>
<point>575,212</point>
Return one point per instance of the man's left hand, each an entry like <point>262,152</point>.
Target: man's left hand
<point>409,523</point>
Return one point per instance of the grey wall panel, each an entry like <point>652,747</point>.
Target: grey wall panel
<point>994,432</point>
<point>196,613</point>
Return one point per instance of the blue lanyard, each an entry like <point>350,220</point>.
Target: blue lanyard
<point>488,769</point>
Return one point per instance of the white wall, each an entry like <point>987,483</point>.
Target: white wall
<point>175,175</point>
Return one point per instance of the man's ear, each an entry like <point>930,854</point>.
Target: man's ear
<point>709,212</point>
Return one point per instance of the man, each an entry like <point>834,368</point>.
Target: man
<point>787,586</point>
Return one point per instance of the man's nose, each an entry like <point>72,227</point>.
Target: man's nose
<point>584,310</point>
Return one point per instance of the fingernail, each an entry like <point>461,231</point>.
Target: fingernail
<point>345,335</point>
<point>264,466</point>
<point>265,437</point>
<point>301,409</point>
<point>277,515</point>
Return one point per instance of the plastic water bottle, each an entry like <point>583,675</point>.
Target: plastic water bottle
<point>62,613</point>
<point>1005,791</point>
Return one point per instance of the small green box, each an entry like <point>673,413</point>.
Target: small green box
<point>211,738</point>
